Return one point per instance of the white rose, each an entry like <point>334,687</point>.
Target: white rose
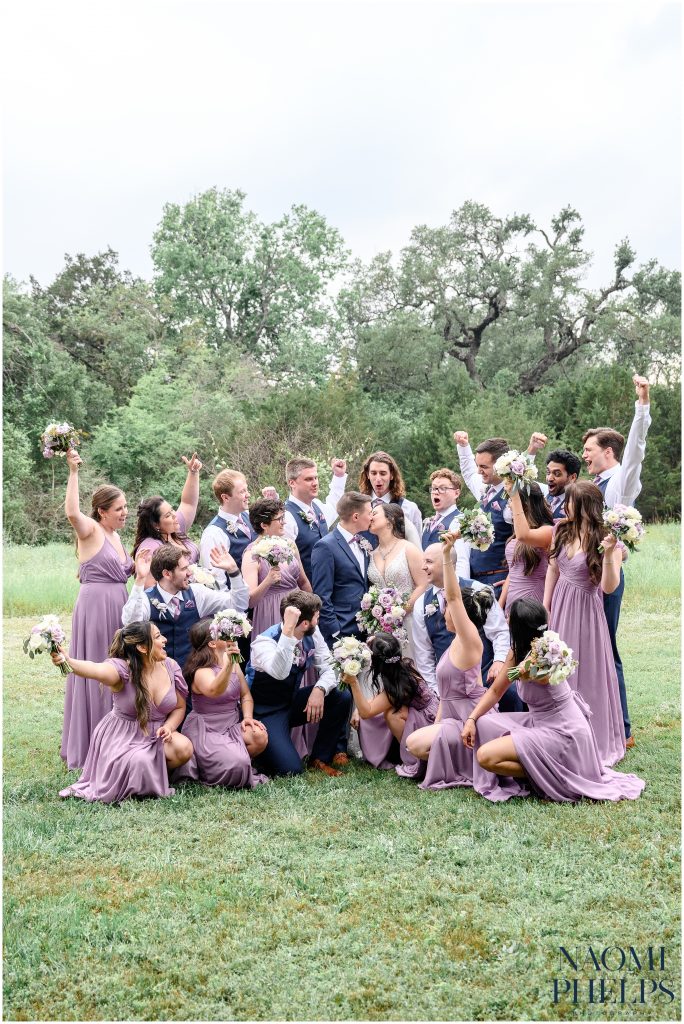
<point>352,667</point>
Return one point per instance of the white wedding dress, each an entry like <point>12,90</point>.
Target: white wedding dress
<point>397,574</point>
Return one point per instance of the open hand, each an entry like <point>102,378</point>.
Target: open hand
<point>143,560</point>
<point>193,463</point>
<point>221,558</point>
<point>270,493</point>
<point>164,733</point>
<point>314,705</point>
<point>247,723</point>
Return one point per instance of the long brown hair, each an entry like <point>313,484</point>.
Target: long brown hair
<point>201,655</point>
<point>148,524</point>
<point>397,486</point>
<point>537,513</point>
<point>585,501</point>
<point>125,646</point>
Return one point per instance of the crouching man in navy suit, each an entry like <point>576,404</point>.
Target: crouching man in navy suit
<point>280,657</point>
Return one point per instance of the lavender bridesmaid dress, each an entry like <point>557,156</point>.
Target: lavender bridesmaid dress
<point>557,748</point>
<point>520,585</point>
<point>421,712</point>
<point>266,612</point>
<point>151,543</point>
<point>122,760</point>
<point>450,762</point>
<point>96,618</point>
<point>577,616</point>
<point>220,757</point>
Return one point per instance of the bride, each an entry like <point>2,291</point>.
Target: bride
<point>396,562</point>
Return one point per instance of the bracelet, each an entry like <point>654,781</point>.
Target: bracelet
<point>233,575</point>
<point>473,720</point>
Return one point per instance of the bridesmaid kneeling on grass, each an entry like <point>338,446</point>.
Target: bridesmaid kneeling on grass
<point>403,698</point>
<point>137,744</point>
<point>223,745</point>
<point>553,744</point>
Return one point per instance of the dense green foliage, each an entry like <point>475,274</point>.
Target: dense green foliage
<point>359,898</point>
<point>258,341</point>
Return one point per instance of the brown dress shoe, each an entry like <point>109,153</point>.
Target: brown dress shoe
<point>630,742</point>
<point>341,760</point>
<point>321,766</point>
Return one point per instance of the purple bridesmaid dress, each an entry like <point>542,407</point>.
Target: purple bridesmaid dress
<point>556,746</point>
<point>450,762</point>
<point>520,585</point>
<point>266,612</point>
<point>122,760</point>
<point>96,618</point>
<point>421,712</point>
<point>577,616</point>
<point>151,543</point>
<point>220,757</point>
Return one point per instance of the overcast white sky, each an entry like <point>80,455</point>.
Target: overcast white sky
<point>379,115</point>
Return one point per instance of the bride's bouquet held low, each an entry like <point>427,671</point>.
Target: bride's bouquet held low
<point>549,657</point>
<point>383,611</point>
<point>518,467</point>
<point>47,635</point>
<point>349,657</point>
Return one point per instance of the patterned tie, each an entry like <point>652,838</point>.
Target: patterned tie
<point>174,605</point>
<point>299,656</point>
<point>598,478</point>
<point>489,494</point>
<point>440,600</point>
<point>242,525</point>
<point>435,522</point>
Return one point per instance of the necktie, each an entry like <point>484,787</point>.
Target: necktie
<point>174,605</point>
<point>489,494</point>
<point>597,479</point>
<point>436,521</point>
<point>440,600</point>
<point>298,656</point>
<point>356,539</point>
<point>242,525</point>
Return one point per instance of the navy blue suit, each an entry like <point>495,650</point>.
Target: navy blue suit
<point>337,579</point>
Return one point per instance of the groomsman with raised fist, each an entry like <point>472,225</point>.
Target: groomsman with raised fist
<point>616,468</point>
<point>307,519</point>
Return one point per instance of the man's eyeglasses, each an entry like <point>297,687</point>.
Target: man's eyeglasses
<point>440,490</point>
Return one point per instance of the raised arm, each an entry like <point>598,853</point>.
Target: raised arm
<point>190,496</point>
<point>539,536</point>
<point>83,525</point>
<point>467,645</point>
<point>467,465</point>
<point>337,485</point>
<point>103,671</point>
<point>625,485</point>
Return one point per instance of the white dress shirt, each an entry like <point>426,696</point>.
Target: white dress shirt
<point>213,537</point>
<point>354,547</point>
<point>475,483</point>
<point>275,659</point>
<point>495,629</point>
<point>328,507</point>
<point>624,480</point>
<point>137,608</point>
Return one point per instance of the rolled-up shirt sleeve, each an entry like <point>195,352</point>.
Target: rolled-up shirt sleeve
<point>137,607</point>
<point>468,470</point>
<point>273,658</point>
<point>322,661</point>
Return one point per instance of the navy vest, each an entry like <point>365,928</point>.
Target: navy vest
<point>308,534</point>
<point>603,486</point>
<point>558,511</point>
<point>176,631</point>
<point>276,694</point>
<point>432,536</point>
<point>237,542</point>
<point>492,562</point>
<point>440,637</point>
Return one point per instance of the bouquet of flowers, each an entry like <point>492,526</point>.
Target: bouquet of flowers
<point>382,611</point>
<point>624,522</point>
<point>549,656</point>
<point>230,625</point>
<point>276,551</point>
<point>518,467</point>
<point>476,527</point>
<point>349,657</point>
<point>203,576</point>
<point>58,439</point>
<point>48,636</point>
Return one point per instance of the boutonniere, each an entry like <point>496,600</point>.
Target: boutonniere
<point>365,545</point>
<point>496,505</point>
<point>430,608</point>
<point>189,604</point>
<point>427,522</point>
<point>307,516</point>
<point>231,526</point>
<point>160,606</point>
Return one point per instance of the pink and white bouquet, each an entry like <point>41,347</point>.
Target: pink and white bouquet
<point>549,656</point>
<point>276,551</point>
<point>58,439</point>
<point>48,636</point>
<point>383,611</point>
<point>230,625</point>
<point>518,467</point>
<point>349,656</point>
<point>477,528</point>
<point>203,576</point>
<point>624,522</point>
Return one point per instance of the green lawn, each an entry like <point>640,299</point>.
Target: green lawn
<point>318,899</point>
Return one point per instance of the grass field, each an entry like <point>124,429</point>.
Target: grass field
<point>353,898</point>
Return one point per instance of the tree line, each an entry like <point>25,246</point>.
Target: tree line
<point>255,341</point>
